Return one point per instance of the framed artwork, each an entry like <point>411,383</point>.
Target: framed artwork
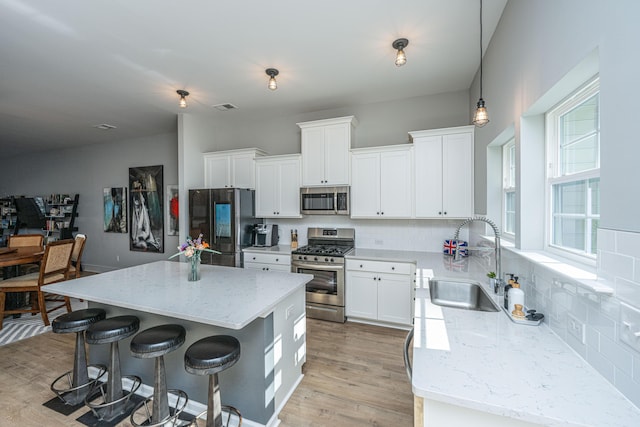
<point>145,209</point>
<point>115,209</point>
<point>173,210</point>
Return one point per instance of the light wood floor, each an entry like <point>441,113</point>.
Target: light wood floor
<point>354,376</point>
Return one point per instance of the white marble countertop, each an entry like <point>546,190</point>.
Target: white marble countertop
<point>278,249</point>
<point>484,361</point>
<point>226,297</point>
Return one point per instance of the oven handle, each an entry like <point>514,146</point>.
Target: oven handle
<point>331,267</point>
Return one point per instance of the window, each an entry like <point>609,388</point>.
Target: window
<point>509,188</point>
<point>573,136</point>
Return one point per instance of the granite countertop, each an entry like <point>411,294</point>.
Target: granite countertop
<point>278,249</point>
<point>486,362</point>
<point>226,297</point>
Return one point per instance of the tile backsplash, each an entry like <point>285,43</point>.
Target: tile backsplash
<point>587,321</point>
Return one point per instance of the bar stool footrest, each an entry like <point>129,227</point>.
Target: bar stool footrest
<point>230,411</point>
<point>103,409</point>
<point>174,413</point>
<point>74,395</point>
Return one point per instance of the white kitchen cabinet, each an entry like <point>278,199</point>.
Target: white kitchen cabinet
<point>278,186</point>
<point>232,168</point>
<point>379,291</point>
<point>381,182</point>
<point>325,146</point>
<point>443,161</point>
<point>267,261</point>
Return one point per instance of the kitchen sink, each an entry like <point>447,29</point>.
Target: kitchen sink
<point>467,295</point>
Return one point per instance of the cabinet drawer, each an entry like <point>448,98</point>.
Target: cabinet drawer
<point>278,259</point>
<point>379,266</point>
<point>266,267</point>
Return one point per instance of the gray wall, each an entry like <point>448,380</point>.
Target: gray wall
<point>535,45</point>
<point>86,171</point>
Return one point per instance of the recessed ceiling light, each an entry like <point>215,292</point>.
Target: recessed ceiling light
<point>105,126</point>
<point>225,107</point>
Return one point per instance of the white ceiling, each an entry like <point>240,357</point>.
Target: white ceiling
<point>69,65</point>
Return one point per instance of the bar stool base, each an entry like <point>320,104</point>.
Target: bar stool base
<point>201,419</point>
<point>75,395</point>
<point>108,411</point>
<point>172,420</point>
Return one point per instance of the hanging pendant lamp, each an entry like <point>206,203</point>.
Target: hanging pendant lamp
<point>481,117</point>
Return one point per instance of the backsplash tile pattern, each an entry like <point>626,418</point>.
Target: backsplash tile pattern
<point>556,296</point>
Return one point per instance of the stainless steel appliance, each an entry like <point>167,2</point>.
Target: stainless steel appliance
<point>265,235</point>
<point>323,257</point>
<point>225,217</point>
<point>324,200</point>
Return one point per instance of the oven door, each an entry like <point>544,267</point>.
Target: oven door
<point>327,285</point>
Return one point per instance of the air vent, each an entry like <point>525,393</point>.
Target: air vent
<point>105,126</point>
<point>225,107</point>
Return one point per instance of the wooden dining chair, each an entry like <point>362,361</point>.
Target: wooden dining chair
<point>22,240</point>
<point>54,268</point>
<point>78,249</point>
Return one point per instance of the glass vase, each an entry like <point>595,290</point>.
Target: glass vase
<point>194,268</point>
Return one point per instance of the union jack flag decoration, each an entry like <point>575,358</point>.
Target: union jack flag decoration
<point>450,246</point>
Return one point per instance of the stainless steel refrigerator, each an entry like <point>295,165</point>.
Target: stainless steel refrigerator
<point>225,217</point>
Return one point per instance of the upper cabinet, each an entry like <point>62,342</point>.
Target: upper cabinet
<point>233,168</point>
<point>381,182</point>
<point>443,160</point>
<point>278,186</point>
<point>325,149</point>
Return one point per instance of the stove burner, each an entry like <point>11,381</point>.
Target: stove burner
<point>332,250</point>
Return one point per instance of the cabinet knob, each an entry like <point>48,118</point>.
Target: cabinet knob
<point>254,258</point>
<point>277,259</point>
<point>381,213</point>
<point>440,213</point>
<point>445,212</point>
<point>393,268</point>
<point>360,265</point>
<point>377,213</point>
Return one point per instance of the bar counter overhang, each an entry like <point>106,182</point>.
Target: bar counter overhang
<point>263,310</point>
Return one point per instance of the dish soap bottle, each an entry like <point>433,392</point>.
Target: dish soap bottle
<point>516,296</point>
<point>506,290</point>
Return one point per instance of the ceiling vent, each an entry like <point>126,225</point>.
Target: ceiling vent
<point>225,107</point>
<point>105,126</point>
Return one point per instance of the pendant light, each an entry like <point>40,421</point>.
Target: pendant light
<point>183,98</point>
<point>272,73</point>
<point>481,117</point>
<point>401,57</point>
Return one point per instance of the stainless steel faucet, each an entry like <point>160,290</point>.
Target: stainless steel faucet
<point>456,254</point>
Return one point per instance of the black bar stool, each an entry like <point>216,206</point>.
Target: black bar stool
<point>77,385</point>
<point>155,343</point>
<point>114,400</point>
<point>209,356</point>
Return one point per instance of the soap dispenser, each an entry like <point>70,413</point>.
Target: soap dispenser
<point>506,290</point>
<point>516,296</point>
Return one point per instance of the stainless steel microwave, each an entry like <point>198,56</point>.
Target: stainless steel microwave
<point>324,200</point>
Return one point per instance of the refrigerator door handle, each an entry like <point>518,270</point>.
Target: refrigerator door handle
<point>213,220</point>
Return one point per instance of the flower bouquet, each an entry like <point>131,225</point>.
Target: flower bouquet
<point>192,249</point>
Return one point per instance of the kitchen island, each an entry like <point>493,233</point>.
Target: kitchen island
<point>264,311</point>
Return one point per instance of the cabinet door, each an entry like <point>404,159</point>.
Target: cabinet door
<point>290,189</point>
<point>362,294</point>
<point>217,171</point>
<point>428,177</point>
<point>337,144</point>
<point>395,184</point>
<point>267,189</point>
<point>312,147</point>
<point>394,298</point>
<point>365,185</point>
<point>243,171</point>
<point>457,185</point>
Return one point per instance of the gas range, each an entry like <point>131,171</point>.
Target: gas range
<point>326,245</point>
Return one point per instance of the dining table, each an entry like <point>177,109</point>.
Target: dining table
<point>10,257</point>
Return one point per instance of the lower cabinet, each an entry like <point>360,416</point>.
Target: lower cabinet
<point>267,262</point>
<point>379,291</point>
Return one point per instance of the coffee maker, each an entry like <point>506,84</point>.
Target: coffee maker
<point>265,235</point>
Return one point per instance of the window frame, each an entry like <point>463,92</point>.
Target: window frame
<point>554,177</point>
<point>508,185</point>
